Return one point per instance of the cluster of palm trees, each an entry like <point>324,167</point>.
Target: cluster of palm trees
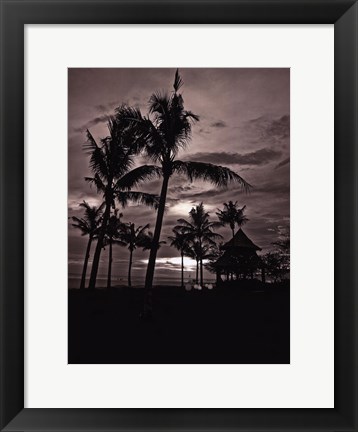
<point>157,136</point>
<point>196,237</point>
<point>88,225</point>
<point>117,233</point>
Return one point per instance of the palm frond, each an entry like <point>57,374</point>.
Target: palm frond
<point>178,82</point>
<point>183,224</point>
<point>147,199</point>
<point>96,180</point>
<point>81,224</point>
<point>146,135</point>
<point>91,143</point>
<point>100,209</point>
<point>215,225</point>
<point>138,175</point>
<point>160,104</point>
<point>190,115</point>
<point>97,156</point>
<point>141,229</point>
<point>218,175</point>
<point>127,114</point>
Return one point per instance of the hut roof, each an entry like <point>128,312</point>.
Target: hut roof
<point>241,240</point>
<point>236,259</point>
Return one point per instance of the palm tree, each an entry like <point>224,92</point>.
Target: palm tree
<point>200,252</point>
<point>134,237</point>
<point>89,226</point>
<point>181,242</point>
<point>161,135</point>
<point>194,252</point>
<point>232,215</point>
<point>111,236</point>
<point>111,164</point>
<point>200,231</point>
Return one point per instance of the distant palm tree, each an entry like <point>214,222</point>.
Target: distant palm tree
<point>112,236</point>
<point>161,137</point>
<point>89,226</point>
<point>134,237</point>
<point>200,252</point>
<point>195,252</point>
<point>111,163</point>
<point>181,242</point>
<point>200,231</point>
<point>232,215</point>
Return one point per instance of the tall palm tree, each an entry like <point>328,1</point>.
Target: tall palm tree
<point>200,231</point>
<point>181,242</point>
<point>111,162</point>
<point>134,237</point>
<point>232,215</point>
<point>89,226</point>
<point>161,135</point>
<point>112,236</point>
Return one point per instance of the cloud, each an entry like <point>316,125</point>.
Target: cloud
<point>182,188</point>
<point>212,193</point>
<point>282,189</point>
<point>283,163</point>
<point>280,127</point>
<point>272,131</point>
<point>273,189</point>
<point>106,107</point>
<point>218,124</point>
<point>101,108</point>
<point>100,119</point>
<point>258,157</point>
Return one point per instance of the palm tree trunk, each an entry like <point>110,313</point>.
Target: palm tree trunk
<point>130,268</point>
<point>182,270</point>
<point>201,272</point>
<point>263,274</point>
<point>84,271</point>
<point>99,246</point>
<point>153,250</point>
<point>197,272</point>
<point>201,263</point>
<point>233,232</point>
<point>109,265</point>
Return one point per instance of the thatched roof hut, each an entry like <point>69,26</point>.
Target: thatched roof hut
<point>240,240</point>
<point>239,256</point>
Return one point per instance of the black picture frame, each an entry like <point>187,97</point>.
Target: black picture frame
<point>14,15</point>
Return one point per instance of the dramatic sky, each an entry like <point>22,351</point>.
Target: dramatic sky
<point>244,125</point>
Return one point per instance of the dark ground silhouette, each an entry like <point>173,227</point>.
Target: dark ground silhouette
<point>250,324</point>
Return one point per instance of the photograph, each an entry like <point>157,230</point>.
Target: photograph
<point>178,215</point>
